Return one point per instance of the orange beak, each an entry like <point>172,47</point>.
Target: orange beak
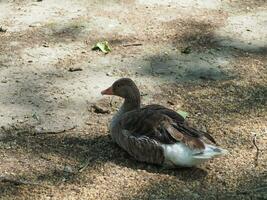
<point>107,91</point>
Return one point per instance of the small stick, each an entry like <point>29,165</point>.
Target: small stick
<point>85,164</point>
<point>6,179</point>
<point>134,44</point>
<point>75,69</point>
<point>111,102</point>
<point>56,132</point>
<point>258,150</point>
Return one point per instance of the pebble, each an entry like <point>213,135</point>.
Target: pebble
<point>68,169</point>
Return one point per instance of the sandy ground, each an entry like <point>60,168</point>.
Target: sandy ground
<point>221,82</point>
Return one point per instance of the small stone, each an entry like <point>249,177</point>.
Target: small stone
<point>170,102</point>
<point>98,109</point>
<point>20,121</point>
<point>108,74</point>
<point>2,29</point>
<point>186,50</point>
<point>68,169</point>
<point>45,45</point>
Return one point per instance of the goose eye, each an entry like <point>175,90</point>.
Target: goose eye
<point>118,85</point>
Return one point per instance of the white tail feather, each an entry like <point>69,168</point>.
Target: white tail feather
<point>210,152</point>
<point>181,155</point>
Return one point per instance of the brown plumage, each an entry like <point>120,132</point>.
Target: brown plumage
<point>162,125</point>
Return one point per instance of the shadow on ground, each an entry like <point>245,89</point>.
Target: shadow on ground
<point>77,150</point>
<point>253,187</point>
<point>199,56</point>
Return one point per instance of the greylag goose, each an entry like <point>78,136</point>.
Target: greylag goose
<point>156,134</point>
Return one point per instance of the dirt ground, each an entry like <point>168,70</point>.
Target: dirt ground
<point>208,58</point>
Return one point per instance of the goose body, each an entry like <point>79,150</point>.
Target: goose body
<point>156,134</point>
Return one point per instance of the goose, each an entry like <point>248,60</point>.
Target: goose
<point>156,134</point>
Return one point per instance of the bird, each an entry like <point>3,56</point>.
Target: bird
<point>155,134</point>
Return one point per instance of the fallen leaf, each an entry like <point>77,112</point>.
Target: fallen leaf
<point>35,116</point>
<point>103,46</point>
<point>182,113</point>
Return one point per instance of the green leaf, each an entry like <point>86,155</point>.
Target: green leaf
<point>35,116</point>
<point>103,46</point>
<point>182,113</point>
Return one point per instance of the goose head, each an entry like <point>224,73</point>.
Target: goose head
<point>127,89</point>
<point>124,87</point>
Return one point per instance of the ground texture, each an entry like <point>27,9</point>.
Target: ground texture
<point>207,58</point>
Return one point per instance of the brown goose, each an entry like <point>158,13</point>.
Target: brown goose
<point>156,134</point>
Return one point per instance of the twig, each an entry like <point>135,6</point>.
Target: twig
<point>134,44</point>
<point>85,164</point>
<point>111,102</point>
<point>153,73</point>
<point>56,132</point>
<point>257,148</point>
<point>6,179</point>
<point>71,69</point>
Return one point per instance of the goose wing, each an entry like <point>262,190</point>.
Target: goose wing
<point>162,125</point>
